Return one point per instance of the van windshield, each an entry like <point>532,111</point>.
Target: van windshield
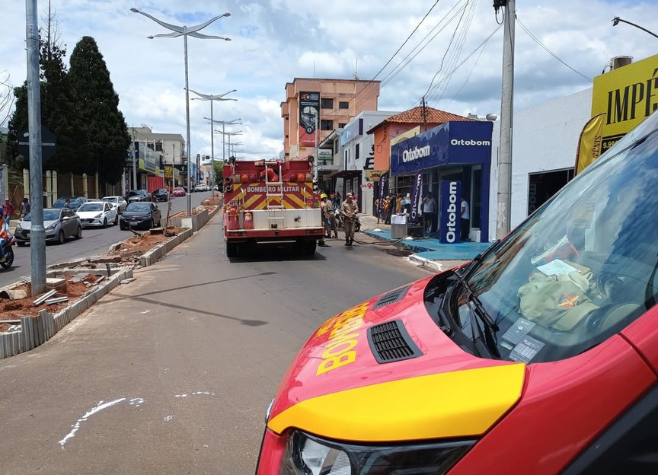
<point>580,269</point>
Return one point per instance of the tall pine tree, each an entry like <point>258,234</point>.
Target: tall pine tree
<point>96,100</point>
<point>57,108</point>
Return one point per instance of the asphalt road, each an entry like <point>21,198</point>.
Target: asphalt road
<point>94,241</point>
<point>172,374</point>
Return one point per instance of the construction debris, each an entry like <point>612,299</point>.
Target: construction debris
<point>57,300</point>
<point>99,280</point>
<point>44,297</point>
<point>128,281</point>
<point>13,294</point>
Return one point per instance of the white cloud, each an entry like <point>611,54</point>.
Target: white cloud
<point>277,40</point>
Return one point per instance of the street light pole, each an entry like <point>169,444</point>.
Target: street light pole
<point>212,98</point>
<point>616,20</point>
<point>184,31</point>
<point>37,232</point>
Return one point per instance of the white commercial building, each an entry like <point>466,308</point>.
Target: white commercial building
<point>544,147</point>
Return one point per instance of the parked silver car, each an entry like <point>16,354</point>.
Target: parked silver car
<point>60,224</point>
<point>117,201</point>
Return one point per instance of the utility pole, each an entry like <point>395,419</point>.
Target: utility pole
<point>506,121</point>
<point>37,232</point>
<point>424,115</point>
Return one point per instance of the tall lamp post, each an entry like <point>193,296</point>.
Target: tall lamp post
<point>229,134</point>
<point>212,98</point>
<point>223,131</point>
<point>616,20</point>
<point>185,31</point>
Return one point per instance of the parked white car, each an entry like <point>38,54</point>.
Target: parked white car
<point>117,201</point>
<point>97,213</point>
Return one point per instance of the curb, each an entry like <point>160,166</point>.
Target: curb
<point>35,331</point>
<point>427,263</point>
<point>158,252</point>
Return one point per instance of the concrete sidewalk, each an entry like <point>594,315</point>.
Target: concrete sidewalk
<point>429,251</point>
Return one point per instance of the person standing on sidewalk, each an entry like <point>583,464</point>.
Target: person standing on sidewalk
<point>350,211</point>
<point>4,235</point>
<point>429,209</point>
<point>329,218</point>
<point>466,222</point>
<point>7,211</point>
<point>25,207</point>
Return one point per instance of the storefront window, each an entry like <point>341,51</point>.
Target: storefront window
<point>476,205</point>
<point>542,186</point>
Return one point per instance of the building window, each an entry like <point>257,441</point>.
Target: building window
<point>341,125</point>
<point>327,103</point>
<point>356,151</point>
<point>326,125</point>
<point>343,105</point>
<point>158,146</point>
<point>336,144</point>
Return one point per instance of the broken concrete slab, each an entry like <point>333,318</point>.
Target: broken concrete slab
<point>128,281</point>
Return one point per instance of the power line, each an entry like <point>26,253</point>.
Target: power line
<point>452,38</point>
<point>545,48</point>
<point>366,93</point>
<point>454,57</point>
<point>470,73</point>
<point>467,57</point>
<point>392,75</point>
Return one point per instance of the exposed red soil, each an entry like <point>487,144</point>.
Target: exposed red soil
<point>14,309</point>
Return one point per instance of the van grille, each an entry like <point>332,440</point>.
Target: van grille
<point>390,342</point>
<point>391,297</point>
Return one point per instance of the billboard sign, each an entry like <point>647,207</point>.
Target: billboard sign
<point>627,96</point>
<point>450,225</point>
<point>309,117</point>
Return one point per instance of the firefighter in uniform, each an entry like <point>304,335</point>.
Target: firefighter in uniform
<point>349,210</point>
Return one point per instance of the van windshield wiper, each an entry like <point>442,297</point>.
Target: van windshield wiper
<point>480,315</point>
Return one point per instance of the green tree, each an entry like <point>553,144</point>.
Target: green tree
<point>57,108</point>
<point>219,173</point>
<point>96,100</point>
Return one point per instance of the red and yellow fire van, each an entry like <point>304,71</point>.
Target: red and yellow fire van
<point>539,357</point>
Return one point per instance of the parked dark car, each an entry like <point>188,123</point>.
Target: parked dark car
<point>140,215</point>
<point>138,195</point>
<point>59,224</point>
<point>74,202</point>
<point>160,194</point>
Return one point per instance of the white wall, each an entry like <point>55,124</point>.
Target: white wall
<point>545,138</point>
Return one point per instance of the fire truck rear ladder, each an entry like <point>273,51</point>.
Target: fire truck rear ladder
<point>275,211</point>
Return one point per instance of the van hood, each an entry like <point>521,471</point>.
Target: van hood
<point>383,371</point>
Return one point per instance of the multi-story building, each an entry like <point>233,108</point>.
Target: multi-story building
<point>169,150</point>
<point>314,108</point>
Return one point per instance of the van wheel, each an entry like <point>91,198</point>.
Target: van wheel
<point>78,234</point>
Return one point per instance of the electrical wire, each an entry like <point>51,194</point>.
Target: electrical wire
<point>452,38</point>
<point>545,48</point>
<point>470,73</point>
<point>367,92</point>
<point>454,56</point>
<point>471,54</point>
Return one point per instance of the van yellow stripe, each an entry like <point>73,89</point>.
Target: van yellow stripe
<point>456,404</point>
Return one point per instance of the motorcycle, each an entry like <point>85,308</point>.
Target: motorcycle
<point>9,252</point>
<point>340,221</point>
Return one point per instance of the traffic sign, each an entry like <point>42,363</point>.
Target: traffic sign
<point>48,143</point>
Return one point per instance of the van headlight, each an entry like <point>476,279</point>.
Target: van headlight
<point>309,455</point>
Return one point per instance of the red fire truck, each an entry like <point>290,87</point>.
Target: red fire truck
<point>270,202</point>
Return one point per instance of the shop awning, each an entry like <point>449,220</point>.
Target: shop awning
<point>346,174</point>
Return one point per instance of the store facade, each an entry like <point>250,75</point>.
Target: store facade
<point>451,152</point>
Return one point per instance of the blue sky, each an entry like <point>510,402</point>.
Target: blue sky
<point>274,41</point>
